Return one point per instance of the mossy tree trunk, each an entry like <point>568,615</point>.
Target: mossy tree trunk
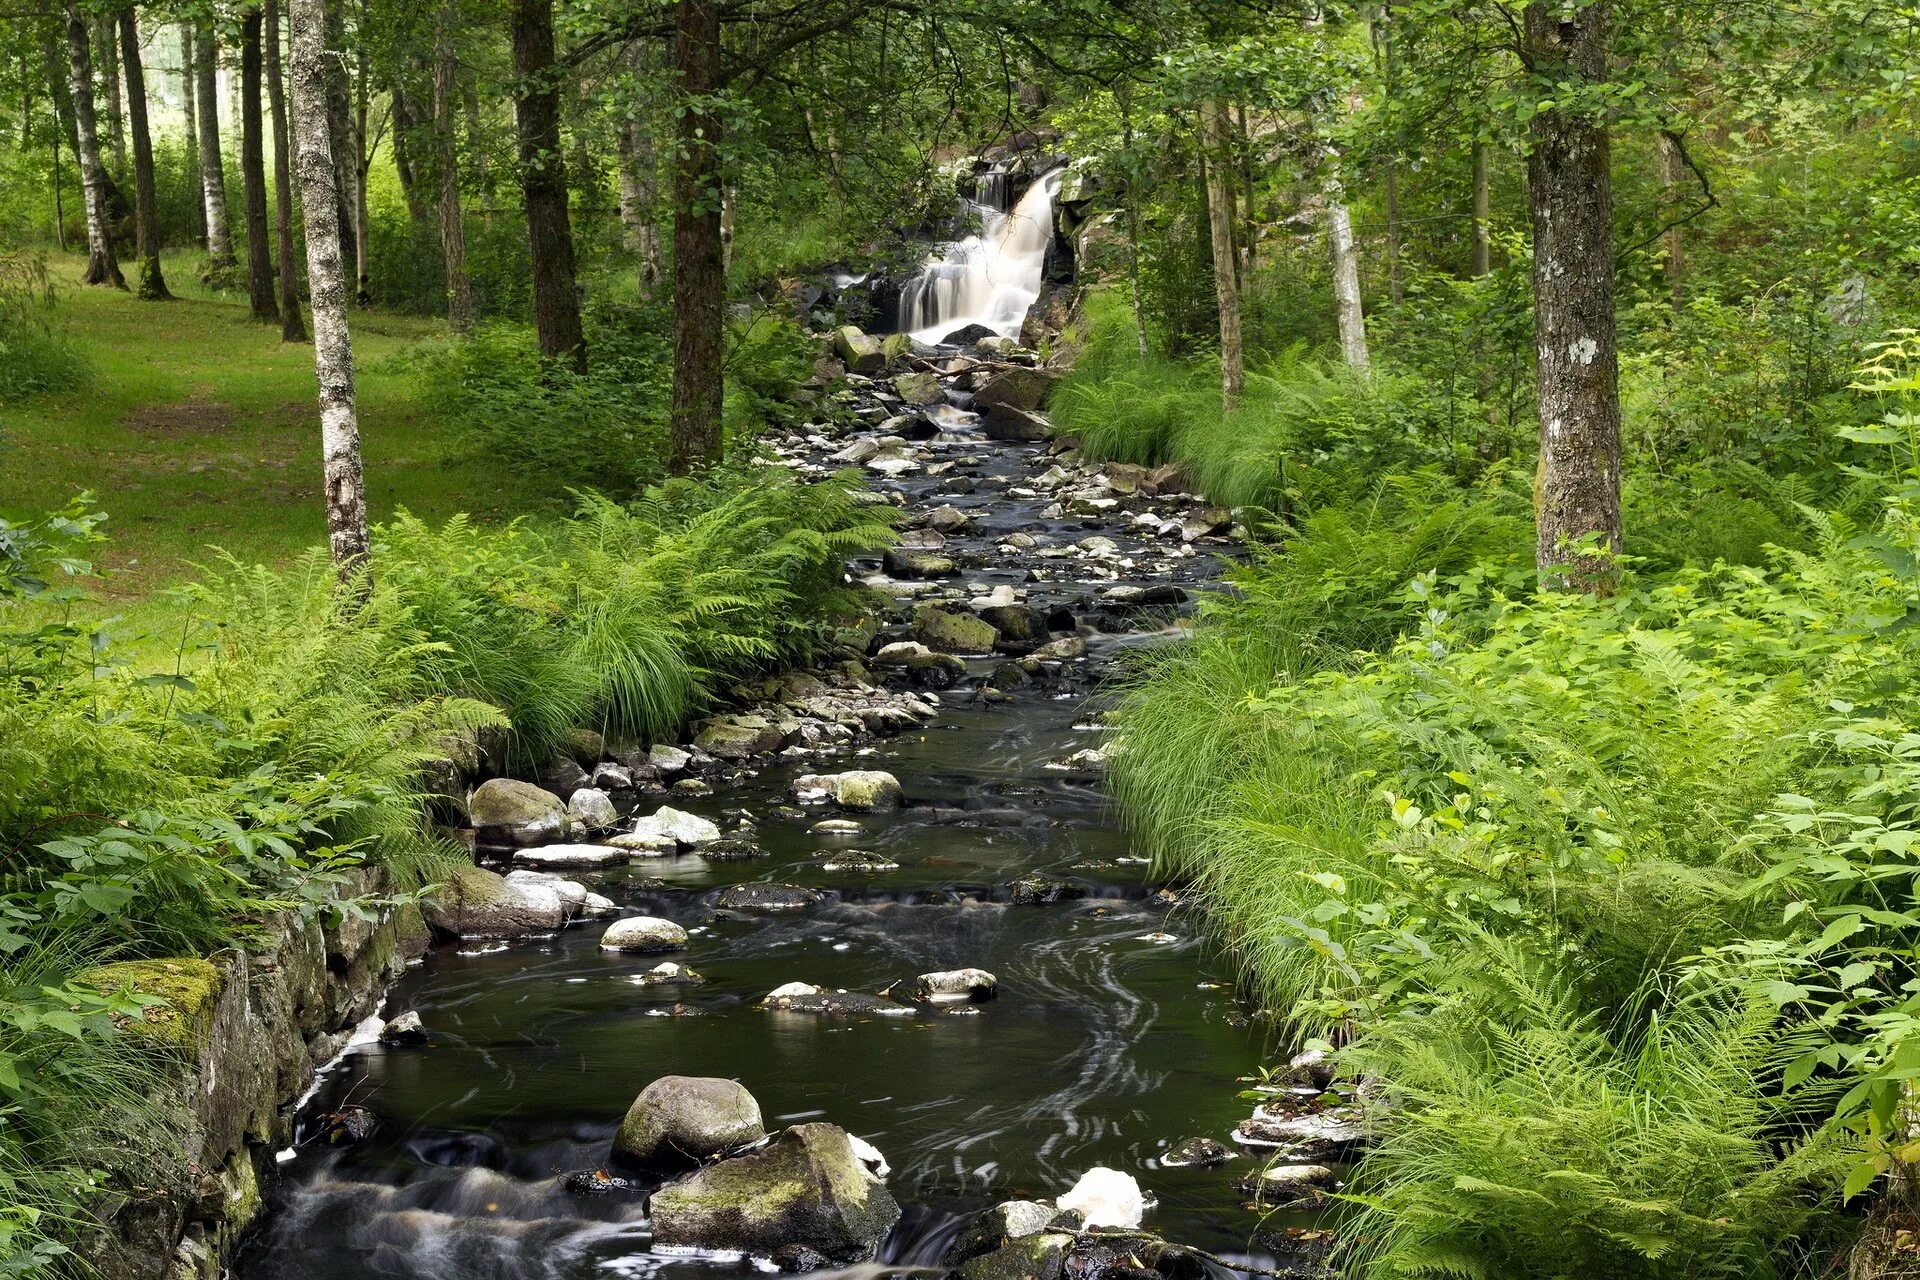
<point>543,185</point>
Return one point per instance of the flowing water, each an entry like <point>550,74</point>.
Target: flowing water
<point>1112,1036</point>
<point>988,279</point>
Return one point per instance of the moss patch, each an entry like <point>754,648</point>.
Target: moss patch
<point>189,988</point>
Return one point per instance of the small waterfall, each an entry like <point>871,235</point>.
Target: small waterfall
<point>990,279</point>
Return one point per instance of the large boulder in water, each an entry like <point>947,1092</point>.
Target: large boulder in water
<point>684,1120</point>
<point>862,352</point>
<point>1034,1257</point>
<point>951,631</point>
<point>1016,387</point>
<point>477,903</point>
<point>1006,422</point>
<point>516,812</point>
<point>808,1187</point>
<point>967,335</point>
<point>920,388</point>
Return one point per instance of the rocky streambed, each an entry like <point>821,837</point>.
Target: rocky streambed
<point>888,899</point>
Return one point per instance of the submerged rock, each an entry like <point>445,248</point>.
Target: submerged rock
<point>1197,1153</point>
<point>685,1120</point>
<point>807,1188</point>
<point>668,974</point>
<point>506,809</point>
<point>861,790</point>
<point>861,860</point>
<point>765,897</point>
<point>1031,889</point>
<point>643,933</point>
<point>804,997</point>
<point>994,1228</point>
<point>667,824</point>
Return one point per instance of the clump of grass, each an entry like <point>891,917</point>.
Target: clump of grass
<point>35,357</point>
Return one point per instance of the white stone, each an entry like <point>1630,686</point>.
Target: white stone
<point>1106,1198</point>
<point>684,829</point>
<point>570,855</point>
<point>643,933</point>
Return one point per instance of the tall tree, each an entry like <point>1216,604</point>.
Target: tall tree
<point>340,127</point>
<point>639,182</point>
<point>146,202</point>
<point>1482,211</point>
<point>699,266</point>
<point>292,327</point>
<point>446,159</point>
<point>344,480</point>
<point>1222,213</point>
<point>112,131</point>
<point>253,172</point>
<point>213,170</point>
<point>543,184</point>
<point>1576,364</point>
<point>102,266</point>
<point>197,203</point>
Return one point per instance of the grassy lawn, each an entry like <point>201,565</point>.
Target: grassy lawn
<point>198,430</point>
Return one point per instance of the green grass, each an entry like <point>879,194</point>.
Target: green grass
<point>198,430</point>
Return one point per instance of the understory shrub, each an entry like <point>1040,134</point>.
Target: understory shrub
<point>34,355</point>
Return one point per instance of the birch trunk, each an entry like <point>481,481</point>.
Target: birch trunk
<point>253,173</point>
<point>197,206</point>
<point>340,126</point>
<point>1346,281</point>
<point>326,276</point>
<point>699,268</point>
<point>543,185</point>
<point>1133,227</point>
<point>112,126</point>
<point>1576,365</point>
<point>362,153</point>
<point>146,200</point>
<point>292,327</point>
<point>102,266</point>
<point>1221,214</point>
<point>213,172</point>
<point>446,159</point>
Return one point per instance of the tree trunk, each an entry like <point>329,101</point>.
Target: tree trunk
<point>1133,225</point>
<point>543,185</point>
<point>1673,173</point>
<point>446,158</point>
<point>326,276</point>
<point>292,327</point>
<point>102,266</point>
<point>362,168</point>
<point>1482,212</point>
<point>1220,219</point>
<point>253,172</point>
<point>640,184</point>
<point>699,267</point>
<point>340,128</point>
<point>111,125</point>
<point>146,201</point>
<point>1346,281</point>
<point>1243,172</point>
<point>197,204</point>
<point>1576,366</point>
<point>406,125</point>
<point>213,172</point>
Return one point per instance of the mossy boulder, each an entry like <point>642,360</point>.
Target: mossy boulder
<point>1035,1257</point>
<point>476,903</point>
<point>860,790</point>
<point>683,1120</point>
<point>920,388</point>
<point>739,736</point>
<point>517,812</point>
<point>950,631</point>
<point>862,352</point>
<point>185,991</point>
<point>808,1187</point>
<point>1016,387</point>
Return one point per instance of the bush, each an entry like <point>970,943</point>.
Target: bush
<point>34,356</point>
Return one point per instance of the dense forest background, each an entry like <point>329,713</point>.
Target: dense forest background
<point>1554,760</point>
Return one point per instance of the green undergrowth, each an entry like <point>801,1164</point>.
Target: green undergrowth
<point>156,809</point>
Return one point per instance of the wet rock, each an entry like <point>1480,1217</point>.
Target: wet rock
<point>967,335</point>
<point>1207,520</point>
<point>475,903</point>
<point>804,997</point>
<point>1311,1069</point>
<point>590,809</point>
<point>1289,1183</point>
<point>737,737</point>
<point>732,849</point>
<point>1196,1153</point>
<point>806,1188</point>
<point>918,564</point>
<point>894,465</point>
<point>1318,1135</point>
<point>949,519</point>
<point>642,934</point>
<point>1004,422</point>
<point>861,450</point>
<point>1031,889</point>
<point>608,776</point>
<point>951,631</point>
<point>1124,477</point>
<point>1016,388</point>
<point>572,856</point>
<point>797,1259</point>
<point>348,1126</point>
<point>920,389</point>
<point>915,656</point>
<point>1170,478</point>
<point>1036,1257</point>
<point>861,790</point>
<point>1006,676</point>
<point>686,1120</point>
<point>1062,649</point>
<point>597,1182</point>
<point>994,1228</point>
<point>837,828</point>
<point>765,897</point>
<point>1106,1198</point>
<point>668,760</point>
<point>405,1030</point>
<point>861,352</point>
<point>515,812</point>
<point>668,974</point>
<point>860,860</point>
<point>692,787</point>
<point>685,830</point>
<point>563,776</point>
<point>957,984</point>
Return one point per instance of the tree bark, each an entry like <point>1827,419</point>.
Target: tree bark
<point>640,186</point>
<point>1133,224</point>
<point>102,266</point>
<point>1673,173</point>
<point>253,173</point>
<point>1346,281</point>
<point>111,126</point>
<point>543,185</point>
<point>146,202</point>
<point>292,327</point>
<point>213,172</point>
<point>1221,213</point>
<point>340,128</point>
<point>197,205</point>
<point>406,126</point>
<point>699,267</point>
<point>345,487</point>
<point>453,227</point>
<point>362,167</point>
<point>1482,213</point>
<point>1576,365</point>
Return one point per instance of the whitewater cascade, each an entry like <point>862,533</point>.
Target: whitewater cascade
<point>989,279</point>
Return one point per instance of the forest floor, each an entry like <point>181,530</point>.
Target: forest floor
<point>197,431</point>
